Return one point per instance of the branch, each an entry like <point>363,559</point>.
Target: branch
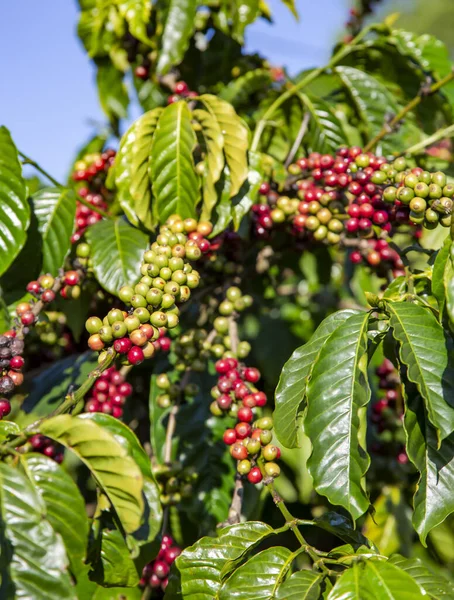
<point>28,161</point>
<point>441,134</point>
<point>233,335</point>
<point>299,138</point>
<point>406,109</point>
<point>234,514</point>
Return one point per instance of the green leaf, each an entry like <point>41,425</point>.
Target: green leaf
<point>157,427</point>
<point>178,29</point>
<point>113,94</point>
<point>448,280</point>
<point>290,4</point>
<point>235,139</point>
<point>116,251</point>
<point>175,183</point>
<point>292,387</point>
<point>65,506</point>
<point>115,566</point>
<point>337,390</point>
<point>437,586</point>
<point>119,175</point>
<point>426,352</point>
<point>14,207</point>
<point>433,500</point>
<point>198,568</point>
<point>374,103</point>
<point>55,209</point>
<point>137,15</point>
<point>36,564</point>
<point>325,132</point>
<point>440,274</point>
<point>259,577</point>
<point>8,428</point>
<point>239,91</point>
<point>140,165</point>
<point>245,12</point>
<point>214,160</point>
<point>302,585</point>
<point>343,528</point>
<point>373,580</point>
<point>115,472</point>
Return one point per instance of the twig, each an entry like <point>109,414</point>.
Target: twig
<point>441,134</point>
<point>406,109</point>
<point>234,514</point>
<point>26,160</point>
<point>233,335</point>
<point>299,138</point>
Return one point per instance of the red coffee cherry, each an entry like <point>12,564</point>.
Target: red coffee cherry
<point>255,475</point>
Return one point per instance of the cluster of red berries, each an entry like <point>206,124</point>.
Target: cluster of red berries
<point>42,289</point>
<point>387,412</point>
<point>380,255</point>
<point>155,574</point>
<point>109,394</point>
<point>91,172</point>
<point>44,445</point>
<point>181,90</point>
<point>11,363</point>
<point>235,394</point>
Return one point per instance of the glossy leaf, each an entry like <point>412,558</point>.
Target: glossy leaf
<point>65,506</point>
<point>198,574</point>
<point>8,428</point>
<point>373,580</point>
<point>115,472</point>
<point>175,183</point>
<point>440,268</point>
<point>325,132</point>
<point>14,207</point>
<point>245,12</point>
<point>36,566</point>
<point>448,280</point>
<point>259,577</point>
<point>178,28</point>
<point>113,94</point>
<point>435,584</point>
<point>292,387</point>
<point>302,585</point>
<point>137,15</point>
<point>343,528</point>
<point>426,352</point>
<point>239,91</point>
<point>235,139</point>
<point>337,390</point>
<point>433,500</point>
<point>116,251</point>
<point>55,209</point>
<point>140,163</point>
<point>119,175</point>
<point>115,566</point>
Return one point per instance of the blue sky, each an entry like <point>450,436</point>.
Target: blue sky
<point>48,98</point>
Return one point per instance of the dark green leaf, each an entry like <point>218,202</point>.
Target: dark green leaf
<point>175,183</point>
<point>115,472</point>
<point>426,352</point>
<point>292,388</point>
<point>113,94</point>
<point>302,585</point>
<point>116,251</point>
<point>65,506</point>
<point>337,390</point>
<point>238,91</point>
<point>441,266</point>
<point>325,131</point>
<point>437,586</point>
<point>198,569</point>
<point>177,32</point>
<point>14,207</point>
<point>342,527</point>
<point>115,566</point>
<point>259,577</point>
<point>55,209</point>
<point>36,566</point>
<point>242,202</point>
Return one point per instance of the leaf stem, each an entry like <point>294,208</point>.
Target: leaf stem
<point>26,160</point>
<point>446,132</point>
<point>388,127</point>
<point>310,77</point>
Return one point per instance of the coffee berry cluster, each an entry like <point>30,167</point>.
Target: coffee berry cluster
<point>175,482</point>
<point>171,392</point>
<point>180,91</point>
<point>155,574</point>
<point>109,394</point>
<point>45,289</point>
<point>11,364</point>
<point>90,173</point>
<point>387,414</point>
<point>44,445</point>
<point>167,280</point>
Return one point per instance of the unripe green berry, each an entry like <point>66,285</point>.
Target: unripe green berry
<point>446,221</point>
<point>239,304</point>
<point>418,205</point>
<point>161,261</point>
<point>243,349</point>
<point>171,287</point>
<point>221,324</point>
<point>226,308</point>
<point>244,466</point>
<point>179,277</point>
<point>83,250</point>
<point>448,190</point>
<point>159,283</point>
<point>253,446</point>
<point>233,293</point>
<point>248,300</point>
<point>158,319</point>
<point>149,256</point>
<point>142,314</point>
<point>320,233</point>
<point>270,452</point>
<point>167,301</point>
<point>421,190</point>
<point>265,437</point>
<point>105,333</point>
<point>119,329</point>
<point>141,289</point>
<point>166,273</point>
<point>272,469</point>
<point>193,280</point>
<point>193,252</point>
<point>425,177</point>
<point>439,178</point>
<point>435,191</point>
<point>215,410</point>
<point>162,381</point>
<point>163,401</point>
<point>431,216</point>
<point>126,293</point>
<point>405,194</point>
<point>132,323</point>
<point>416,217</point>
<point>389,194</point>
<point>312,223</point>
<point>185,293</point>
<point>154,296</point>
<point>379,177</point>
<point>93,325</point>
<point>138,300</point>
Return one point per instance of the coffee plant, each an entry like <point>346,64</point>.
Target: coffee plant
<point>226,341</point>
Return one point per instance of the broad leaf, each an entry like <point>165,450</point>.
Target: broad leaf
<point>116,251</point>
<point>292,387</point>
<point>177,32</point>
<point>245,12</point>
<point>448,280</point>
<point>427,354</point>
<point>36,566</point>
<point>8,428</point>
<point>235,139</point>
<point>342,528</point>
<point>325,132</point>
<point>441,274</point>
<point>175,183</point>
<point>238,91</point>
<point>14,207</point>
<point>137,15</point>
<point>157,427</point>
<point>372,580</point>
<point>113,94</point>
<point>259,577</point>
<point>433,500</point>
<point>55,209</point>
<point>437,586</point>
<point>302,585</point>
<point>65,506</point>
<point>337,390</point>
<point>115,472</point>
<point>119,175</point>
<point>114,567</point>
<point>139,160</point>
<point>198,568</point>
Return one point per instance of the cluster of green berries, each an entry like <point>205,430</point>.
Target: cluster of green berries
<point>167,280</point>
<point>171,392</point>
<point>176,483</point>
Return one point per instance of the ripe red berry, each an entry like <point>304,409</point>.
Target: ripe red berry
<point>245,414</point>
<point>33,287</point>
<point>260,398</point>
<point>117,412</point>
<point>252,374</point>
<point>255,475</point>
<point>181,87</point>
<point>5,407</point>
<point>71,278</point>
<point>249,401</point>
<point>125,389</point>
<point>141,72</point>
<point>356,257</point>
<point>165,343</point>
<point>243,430</point>
<point>222,366</point>
<point>351,225</point>
<point>122,345</point>
<point>135,355</point>
<point>48,296</point>
<point>264,188</point>
<point>224,401</point>
<point>28,318</point>
<point>16,363</point>
<point>238,451</point>
<point>229,437</point>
